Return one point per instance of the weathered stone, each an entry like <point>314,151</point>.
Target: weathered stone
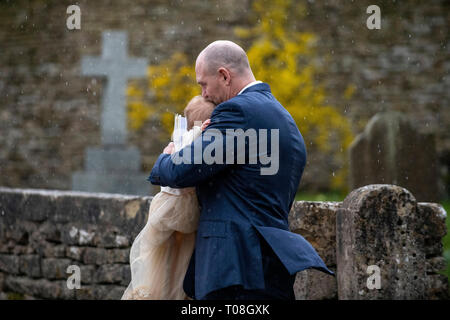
<point>86,293</point>
<point>98,256</point>
<point>53,268</point>
<point>2,281</point>
<point>50,250</point>
<point>99,292</point>
<point>434,227</point>
<point>435,265</point>
<point>30,265</point>
<point>9,263</point>
<point>107,219</point>
<point>115,293</point>
<point>312,284</point>
<point>18,234</point>
<point>87,273</point>
<point>311,219</point>
<point>37,207</point>
<point>126,275</point>
<point>75,253</point>
<point>120,256</point>
<point>109,273</point>
<point>18,250</point>
<point>55,251</point>
<point>40,288</point>
<point>23,285</point>
<point>4,248</point>
<point>74,234</point>
<point>379,233</point>
<point>110,237</point>
<point>377,225</point>
<point>437,287</point>
<point>383,153</point>
<point>50,231</point>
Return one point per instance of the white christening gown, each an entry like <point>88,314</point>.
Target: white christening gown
<point>160,254</point>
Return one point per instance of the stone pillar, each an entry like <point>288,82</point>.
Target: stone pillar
<point>383,226</point>
<point>316,222</point>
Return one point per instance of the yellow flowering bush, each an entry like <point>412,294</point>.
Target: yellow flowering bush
<point>172,84</point>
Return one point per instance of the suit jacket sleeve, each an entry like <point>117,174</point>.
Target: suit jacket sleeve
<point>168,171</point>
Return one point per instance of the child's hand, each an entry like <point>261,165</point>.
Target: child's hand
<point>170,148</point>
<point>205,124</point>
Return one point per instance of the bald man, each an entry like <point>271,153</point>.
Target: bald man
<point>244,249</point>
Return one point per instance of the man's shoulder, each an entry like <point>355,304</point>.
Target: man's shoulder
<point>231,105</point>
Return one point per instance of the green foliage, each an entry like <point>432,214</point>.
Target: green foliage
<point>325,196</point>
<point>173,85</point>
<point>15,296</point>
<point>446,239</point>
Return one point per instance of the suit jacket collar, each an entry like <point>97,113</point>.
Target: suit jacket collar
<point>257,87</point>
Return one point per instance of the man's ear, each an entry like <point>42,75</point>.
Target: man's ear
<point>225,75</point>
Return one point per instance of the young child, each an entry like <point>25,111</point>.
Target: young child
<point>160,254</point>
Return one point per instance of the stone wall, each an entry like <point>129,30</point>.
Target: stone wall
<point>42,232</point>
<point>49,113</point>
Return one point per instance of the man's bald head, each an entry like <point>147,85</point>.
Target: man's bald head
<point>224,53</point>
<point>222,70</point>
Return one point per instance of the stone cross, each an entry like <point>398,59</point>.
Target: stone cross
<point>113,167</point>
<point>117,67</point>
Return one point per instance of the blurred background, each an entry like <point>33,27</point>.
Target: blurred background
<point>372,105</point>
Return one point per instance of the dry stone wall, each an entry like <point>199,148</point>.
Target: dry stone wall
<point>43,232</point>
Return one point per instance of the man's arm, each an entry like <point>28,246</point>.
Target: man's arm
<point>187,167</point>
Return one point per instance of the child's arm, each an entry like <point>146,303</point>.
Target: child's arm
<point>182,169</point>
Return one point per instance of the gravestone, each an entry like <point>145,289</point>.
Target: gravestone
<point>392,151</point>
<point>384,227</point>
<point>114,167</point>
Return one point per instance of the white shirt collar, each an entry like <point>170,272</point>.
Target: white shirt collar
<point>249,85</point>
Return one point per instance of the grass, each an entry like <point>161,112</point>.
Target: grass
<point>446,239</point>
<point>328,196</point>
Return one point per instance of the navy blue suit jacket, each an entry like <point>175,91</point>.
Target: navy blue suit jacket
<point>239,205</point>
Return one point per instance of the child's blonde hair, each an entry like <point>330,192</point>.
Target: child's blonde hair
<point>198,109</point>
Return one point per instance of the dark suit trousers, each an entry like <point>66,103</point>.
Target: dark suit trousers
<point>278,282</point>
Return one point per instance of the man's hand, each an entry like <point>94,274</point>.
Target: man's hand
<point>205,124</point>
<point>170,148</point>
